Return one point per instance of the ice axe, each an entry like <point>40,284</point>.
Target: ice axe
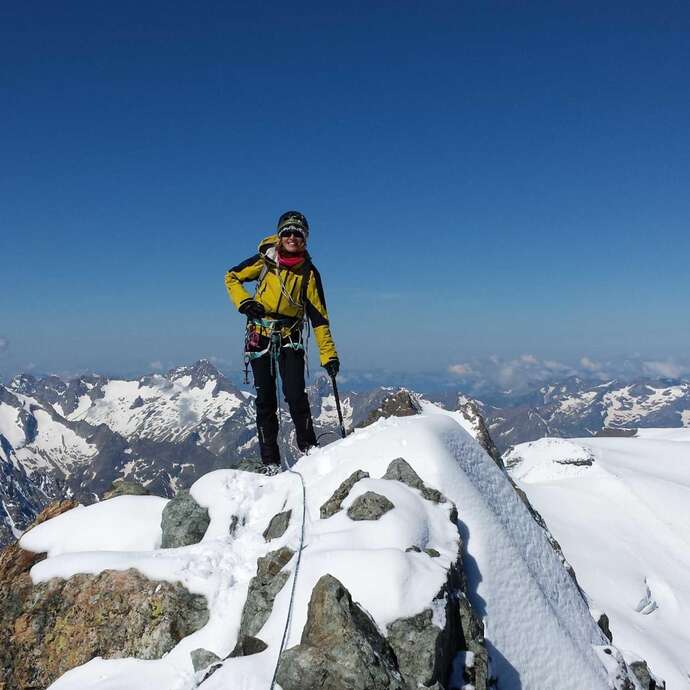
<point>337,406</point>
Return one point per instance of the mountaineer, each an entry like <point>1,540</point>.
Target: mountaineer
<point>288,292</point>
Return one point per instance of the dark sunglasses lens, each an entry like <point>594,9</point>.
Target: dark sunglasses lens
<point>292,233</point>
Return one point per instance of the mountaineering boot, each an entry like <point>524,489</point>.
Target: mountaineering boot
<point>268,469</point>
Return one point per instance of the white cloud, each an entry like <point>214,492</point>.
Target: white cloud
<point>157,365</point>
<point>460,369</point>
<point>667,369</point>
<point>589,364</point>
<point>529,359</point>
<point>4,345</point>
<point>506,375</point>
<point>553,365</point>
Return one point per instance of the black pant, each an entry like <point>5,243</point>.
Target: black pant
<point>291,367</point>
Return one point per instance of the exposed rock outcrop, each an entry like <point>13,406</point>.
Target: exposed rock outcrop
<point>400,470</point>
<point>426,644</point>
<point>248,645</point>
<point>202,659</point>
<point>646,678</point>
<point>369,506</point>
<point>334,503</point>
<point>278,525</point>
<point>125,487</point>
<point>341,647</point>
<point>270,578</point>
<point>183,521</point>
<point>603,623</point>
<point>399,404</point>
<point>470,411</point>
<point>49,628</point>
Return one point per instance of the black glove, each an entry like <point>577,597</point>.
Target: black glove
<point>332,366</point>
<point>252,309</point>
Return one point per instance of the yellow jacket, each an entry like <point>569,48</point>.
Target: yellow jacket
<point>281,293</point>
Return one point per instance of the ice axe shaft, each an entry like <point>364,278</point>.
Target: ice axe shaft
<point>337,406</point>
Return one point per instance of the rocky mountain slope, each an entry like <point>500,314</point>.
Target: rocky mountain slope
<point>72,439</point>
<point>576,408</point>
<point>399,557</point>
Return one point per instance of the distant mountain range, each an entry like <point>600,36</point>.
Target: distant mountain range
<point>575,408</point>
<point>73,438</point>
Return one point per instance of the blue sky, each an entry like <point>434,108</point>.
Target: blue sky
<point>480,178</point>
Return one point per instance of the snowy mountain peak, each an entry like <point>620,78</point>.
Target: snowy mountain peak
<point>199,373</point>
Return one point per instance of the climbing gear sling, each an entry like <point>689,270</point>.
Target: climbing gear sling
<point>274,326</point>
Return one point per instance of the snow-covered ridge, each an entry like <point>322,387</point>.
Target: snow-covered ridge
<point>620,509</point>
<point>539,631</point>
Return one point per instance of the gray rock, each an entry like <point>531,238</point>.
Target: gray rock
<point>263,589</point>
<point>416,643</point>
<point>248,645</point>
<point>429,552</point>
<point>203,658</point>
<point>369,506</point>
<point>603,623</point>
<point>341,647</point>
<point>125,487</point>
<point>183,522</point>
<point>476,675</point>
<point>647,679</point>
<point>273,562</point>
<point>401,471</point>
<point>470,411</point>
<point>334,503</point>
<point>51,627</point>
<point>425,651</point>
<point>399,404</point>
<point>277,526</point>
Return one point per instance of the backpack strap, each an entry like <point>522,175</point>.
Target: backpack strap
<point>306,274</point>
<point>260,279</point>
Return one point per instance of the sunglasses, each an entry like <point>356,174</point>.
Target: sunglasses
<point>292,232</point>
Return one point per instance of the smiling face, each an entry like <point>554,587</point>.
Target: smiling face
<point>292,241</point>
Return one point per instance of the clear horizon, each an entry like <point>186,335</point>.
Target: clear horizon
<point>480,180</point>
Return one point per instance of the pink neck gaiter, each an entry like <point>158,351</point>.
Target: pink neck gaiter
<point>291,260</point>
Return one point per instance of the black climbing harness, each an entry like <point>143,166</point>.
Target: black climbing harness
<point>273,328</point>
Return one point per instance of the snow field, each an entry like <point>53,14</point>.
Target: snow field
<point>624,525</point>
<point>539,631</point>
<point>10,427</point>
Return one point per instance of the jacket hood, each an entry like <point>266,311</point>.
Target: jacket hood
<point>268,251</point>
